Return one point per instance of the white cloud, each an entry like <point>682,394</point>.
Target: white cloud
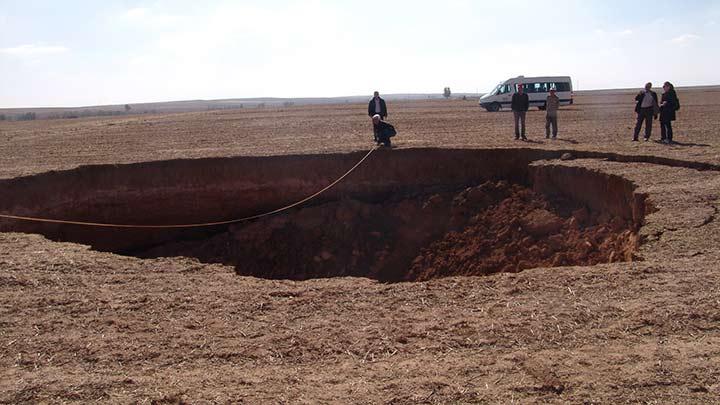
<point>685,39</point>
<point>621,33</point>
<point>151,19</point>
<point>33,50</point>
<point>137,13</point>
<point>240,49</point>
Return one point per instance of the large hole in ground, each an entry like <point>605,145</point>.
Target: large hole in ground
<point>404,215</point>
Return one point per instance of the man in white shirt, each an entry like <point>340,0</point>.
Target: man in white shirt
<point>377,106</point>
<point>646,108</point>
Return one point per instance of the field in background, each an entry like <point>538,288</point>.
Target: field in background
<point>602,122</point>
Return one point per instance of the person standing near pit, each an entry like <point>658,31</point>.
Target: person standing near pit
<point>519,105</point>
<point>552,105</point>
<point>646,108</point>
<point>377,106</point>
<point>669,104</point>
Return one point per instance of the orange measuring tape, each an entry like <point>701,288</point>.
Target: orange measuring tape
<point>198,225</point>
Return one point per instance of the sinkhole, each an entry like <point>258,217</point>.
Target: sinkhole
<point>403,215</point>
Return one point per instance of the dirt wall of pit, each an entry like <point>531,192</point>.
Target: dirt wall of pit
<point>598,191</point>
<point>207,190</point>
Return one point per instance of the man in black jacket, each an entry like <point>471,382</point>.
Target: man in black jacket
<point>377,106</point>
<point>646,107</point>
<point>669,104</point>
<point>519,105</point>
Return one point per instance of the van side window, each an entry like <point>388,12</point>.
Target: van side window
<point>564,86</point>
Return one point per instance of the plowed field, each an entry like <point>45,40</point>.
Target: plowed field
<point>80,325</point>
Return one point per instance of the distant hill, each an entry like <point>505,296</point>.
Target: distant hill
<point>197,105</point>
<point>239,103</point>
<point>635,90</point>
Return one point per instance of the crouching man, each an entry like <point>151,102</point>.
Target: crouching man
<point>382,131</point>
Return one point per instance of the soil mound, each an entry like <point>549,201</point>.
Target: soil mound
<point>524,231</point>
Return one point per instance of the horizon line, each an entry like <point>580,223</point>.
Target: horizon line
<point>249,99</point>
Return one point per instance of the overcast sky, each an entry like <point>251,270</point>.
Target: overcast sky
<point>73,53</point>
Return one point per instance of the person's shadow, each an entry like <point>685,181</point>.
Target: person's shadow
<point>676,143</point>
<point>570,141</point>
<point>703,145</point>
<point>543,141</point>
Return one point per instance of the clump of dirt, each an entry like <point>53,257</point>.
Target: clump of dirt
<point>524,231</point>
<point>489,228</point>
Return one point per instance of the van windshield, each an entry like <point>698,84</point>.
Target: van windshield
<point>496,90</point>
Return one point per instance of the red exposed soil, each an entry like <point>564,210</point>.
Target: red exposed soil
<point>493,227</point>
<point>524,231</point>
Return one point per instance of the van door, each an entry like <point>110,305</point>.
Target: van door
<point>506,96</point>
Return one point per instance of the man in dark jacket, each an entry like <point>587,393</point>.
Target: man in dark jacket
<point>377,106</point>
<point>646,107</point>
<point>519,105</point>
<point>382,131</point>
<point>669,103</point>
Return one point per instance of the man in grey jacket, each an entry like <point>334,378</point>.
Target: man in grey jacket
<point>552,104</point>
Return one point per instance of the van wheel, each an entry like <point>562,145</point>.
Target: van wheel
<point>494,107</point>
<point>542,107</point>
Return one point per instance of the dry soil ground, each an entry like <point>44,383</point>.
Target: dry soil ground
<point>79,326</point>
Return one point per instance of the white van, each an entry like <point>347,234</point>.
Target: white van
<point>537,89</point>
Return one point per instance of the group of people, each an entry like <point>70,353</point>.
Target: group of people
<point>382,131</point>
<point>647,108</point>
<point>520,104</point>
